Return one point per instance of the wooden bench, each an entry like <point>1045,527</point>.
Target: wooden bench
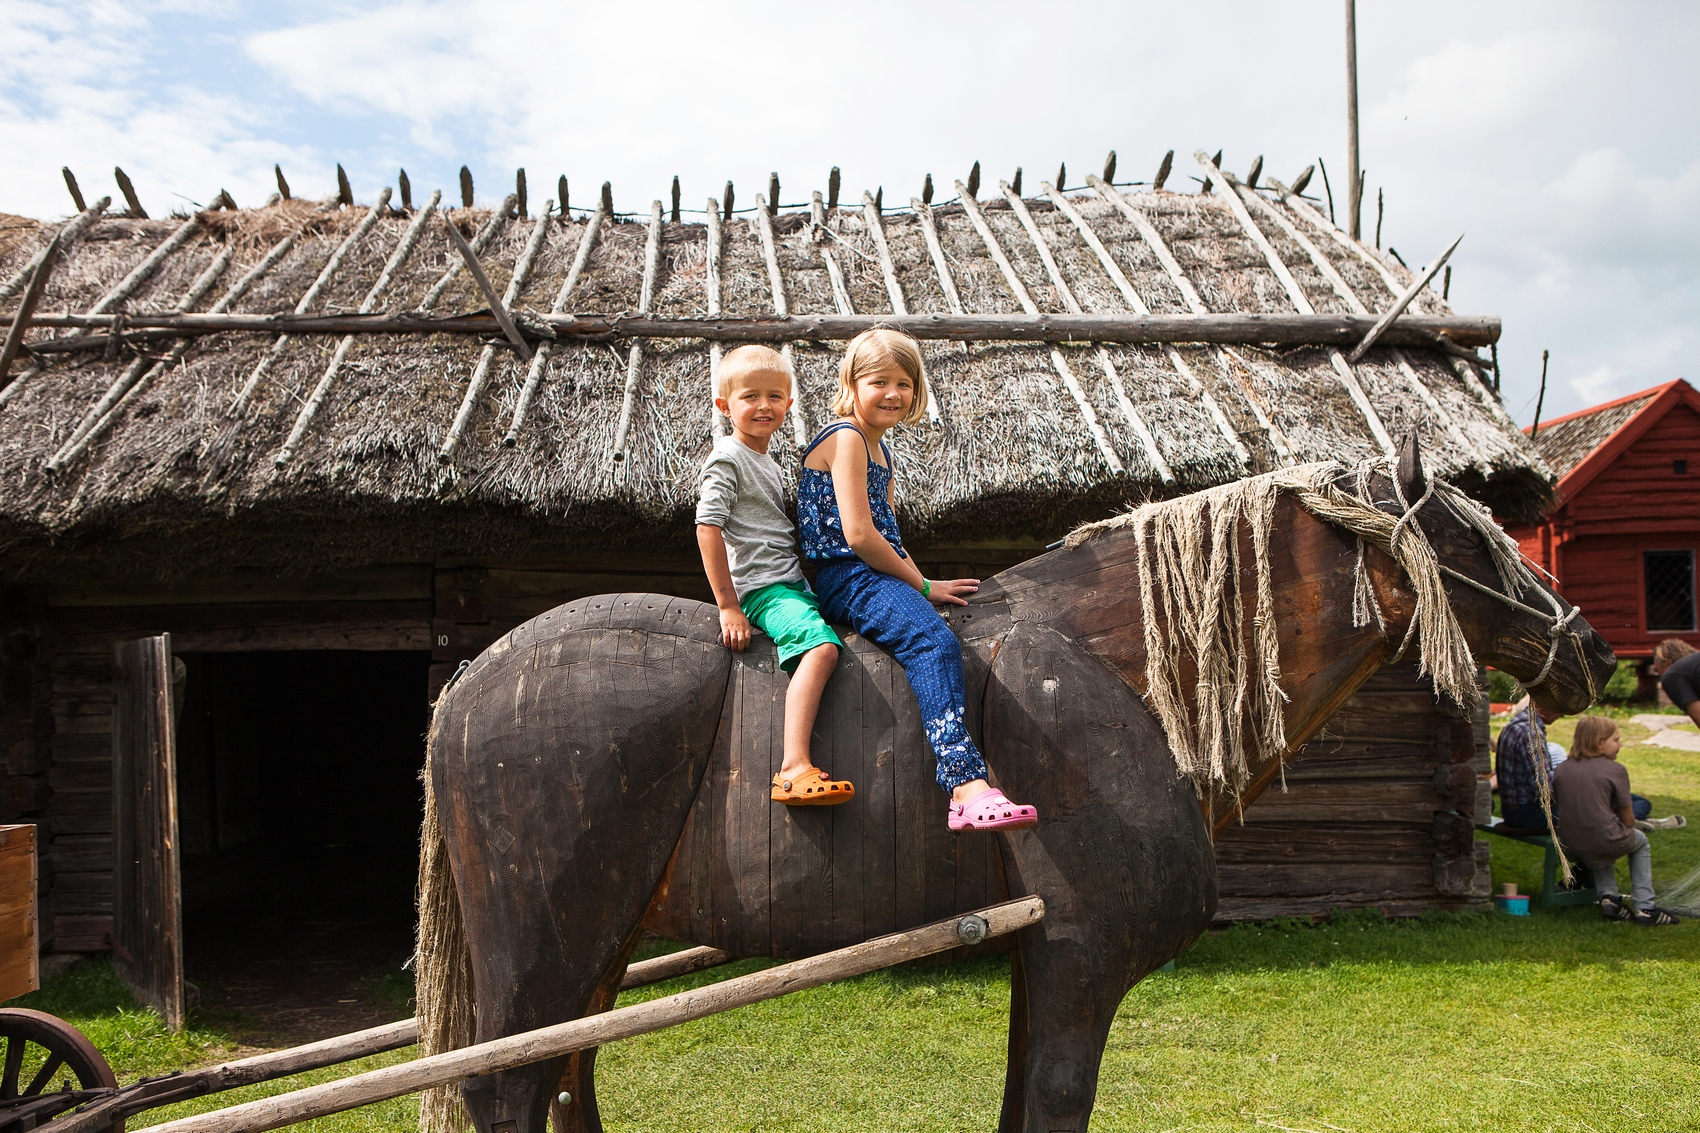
<point>1552,895</point>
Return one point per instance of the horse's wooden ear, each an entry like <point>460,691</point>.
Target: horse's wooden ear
<point>1413,480</point>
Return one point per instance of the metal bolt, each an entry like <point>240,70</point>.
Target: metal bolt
<point>564,1098</point>
<point>971,929</point>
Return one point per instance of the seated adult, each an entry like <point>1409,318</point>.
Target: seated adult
<point>1591,808</point>
<point>1515,769</point>
<point>1677,665</point>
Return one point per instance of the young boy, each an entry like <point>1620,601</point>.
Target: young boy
<point>749,551</point>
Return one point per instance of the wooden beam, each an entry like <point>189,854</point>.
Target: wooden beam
<point>1058,362</point>
<point>1137,302</point>
<point>840,294</point>
<point>612,1026</point>
<point>305,303</point>
<point>26,308</point>
<point>122,393</point>
<point>634,357</point>
<point>398,258</point>
<point>497,307</point>
<point>875,224</point>
<point>1296,294</point>
<point>66,234</point>
<point>150,264</point>
<point>782,307</point>
<point>1426,331</point>
<point>716,248</point>
<point>487,357</point>
<point>1135,421</point>
<point>1160,248</point>
<point>540,360</point>
<point>98,1116</point>
<point>1326,267</point>
<point>480,241</point>
<point>935,251</point>
<point>1402,302</point>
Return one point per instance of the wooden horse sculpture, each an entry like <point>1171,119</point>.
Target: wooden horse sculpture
<point>605,768</point>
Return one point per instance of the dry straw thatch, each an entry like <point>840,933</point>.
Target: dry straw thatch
<point>174,474</point>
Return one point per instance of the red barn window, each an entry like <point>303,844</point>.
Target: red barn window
<point>1669,577</point>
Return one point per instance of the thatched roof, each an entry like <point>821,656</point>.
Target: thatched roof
<point>173,473</point>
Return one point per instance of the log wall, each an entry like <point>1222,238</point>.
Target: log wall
<point>1377,812</point>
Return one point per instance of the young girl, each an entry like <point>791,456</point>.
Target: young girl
<point>865,578</point>
<point>1591,808</point>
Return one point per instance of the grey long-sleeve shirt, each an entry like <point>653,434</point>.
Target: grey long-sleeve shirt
<point>739,491</point>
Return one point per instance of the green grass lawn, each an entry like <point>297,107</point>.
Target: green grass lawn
<point>1475,1022</point>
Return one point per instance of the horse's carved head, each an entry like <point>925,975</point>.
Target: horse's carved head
<point>1511,619</point>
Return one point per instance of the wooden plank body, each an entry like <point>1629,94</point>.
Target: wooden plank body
<point>19,949</point>
<point>147,931</point>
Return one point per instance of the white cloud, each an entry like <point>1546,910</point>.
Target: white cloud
<point>1469,90</point>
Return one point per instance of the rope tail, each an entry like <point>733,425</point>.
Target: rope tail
<point>443,970</point>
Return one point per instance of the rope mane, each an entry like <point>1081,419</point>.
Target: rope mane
<point>1189,586</point>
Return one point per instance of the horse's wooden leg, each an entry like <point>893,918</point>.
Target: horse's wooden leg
<point>1121,856</point>
<point>562,791</point>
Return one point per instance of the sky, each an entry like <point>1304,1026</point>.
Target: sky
<point>1562,139</point>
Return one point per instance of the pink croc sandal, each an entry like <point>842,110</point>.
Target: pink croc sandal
<point>990,810</point>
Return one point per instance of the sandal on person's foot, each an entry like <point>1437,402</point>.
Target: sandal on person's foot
<point>813,787</point>
<point>1613,909</point>
<point>1654,917</point>
<point>990,810</point>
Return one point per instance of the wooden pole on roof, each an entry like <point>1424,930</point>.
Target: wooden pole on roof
<point>119,398</point>
<point>1328,271</point>
<point>835,275</point>
<point>32,296</point>
<point>716,245</point>
<point>480,241</point>
<point>129,191</point>
<point>1354,191</point>
<point>540,360</point>
<point>1136,422</point>
<point>1160,248</point>
<point>72,229</point>
<point>398,259</point>
<point>634,358</point>
<point>1295,293</point>
<point>1058,362</point>
<point>893,290</point>
<point>781,306</point>
<point>305,303</point>
<point>1540,398</point>
<point>486,359</point>
<point>76,193</point>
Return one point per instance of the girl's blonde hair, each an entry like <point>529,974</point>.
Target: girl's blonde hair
<point>1591,732</point>
<point>874,349</point>
<point>1671,650</point>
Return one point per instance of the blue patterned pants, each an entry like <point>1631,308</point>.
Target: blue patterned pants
<point>893,615</point>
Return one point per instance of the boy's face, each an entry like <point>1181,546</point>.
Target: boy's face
<point>756,403</point>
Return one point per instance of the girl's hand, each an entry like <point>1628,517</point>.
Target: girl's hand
<point>734,629</point>
<point>952,591</point>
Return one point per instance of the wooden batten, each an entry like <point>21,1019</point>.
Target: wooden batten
<point>1135,421</point>
<point>634,358</point>
<point>397,260</point>
<point>540,360</point>
<point>1019,290</point>
<point>150,264</point>
<point>305,303</point>
<point>781,307</point>
<point>72,229</point>
<point>1295,293</point>
<point>481,372</point>
<point>712,283</point>
<point>835,275</point>
<point>480,241</point>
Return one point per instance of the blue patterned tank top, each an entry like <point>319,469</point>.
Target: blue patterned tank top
<point>818,521</point>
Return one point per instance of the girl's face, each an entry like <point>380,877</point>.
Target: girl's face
<point>884,396</point>
<point>1611,745</point>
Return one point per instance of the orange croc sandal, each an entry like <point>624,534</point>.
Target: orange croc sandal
<point>812,788</point>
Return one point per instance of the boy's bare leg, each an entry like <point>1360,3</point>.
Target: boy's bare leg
<point>802,702</point>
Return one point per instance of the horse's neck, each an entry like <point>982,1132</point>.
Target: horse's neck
<point>1091,595</point>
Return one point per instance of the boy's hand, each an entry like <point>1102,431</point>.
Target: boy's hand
<point>953,591</point>
<point>734,629</point>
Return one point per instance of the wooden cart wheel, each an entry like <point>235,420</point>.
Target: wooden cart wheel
<point>59,1051</point>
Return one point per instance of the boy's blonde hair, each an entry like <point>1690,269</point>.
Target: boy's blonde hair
<point>874,349</point>
<point>1591,732</point>
<point>1671,650</point>
<point>746,360</point>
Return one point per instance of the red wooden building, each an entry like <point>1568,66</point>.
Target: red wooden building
<point>1623,538</point>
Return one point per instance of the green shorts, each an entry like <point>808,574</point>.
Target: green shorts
<point>789,614</point>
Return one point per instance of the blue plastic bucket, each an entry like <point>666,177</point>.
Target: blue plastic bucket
<point>1517,906</point>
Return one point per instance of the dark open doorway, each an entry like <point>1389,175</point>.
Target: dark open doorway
<point>299,805</point>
